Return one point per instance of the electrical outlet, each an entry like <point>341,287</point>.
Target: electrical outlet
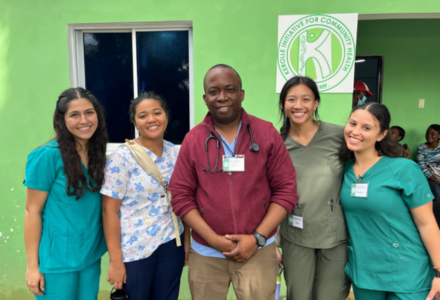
<point>421,103</point>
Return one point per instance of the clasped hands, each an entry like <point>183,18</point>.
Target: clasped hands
<point>237,247</point>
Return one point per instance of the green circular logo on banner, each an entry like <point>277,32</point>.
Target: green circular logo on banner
<point>317,46</point>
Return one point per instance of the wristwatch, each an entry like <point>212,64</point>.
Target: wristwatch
<point>437,273</point>
<point>261,239</point>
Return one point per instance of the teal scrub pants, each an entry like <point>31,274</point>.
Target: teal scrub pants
<point>363,294</point>
<point>79,285</point>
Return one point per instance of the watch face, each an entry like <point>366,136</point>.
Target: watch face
<point>261,240</point>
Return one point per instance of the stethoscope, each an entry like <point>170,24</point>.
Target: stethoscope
<point>254,148</point>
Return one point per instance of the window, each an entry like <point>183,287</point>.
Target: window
<point>118,61</point>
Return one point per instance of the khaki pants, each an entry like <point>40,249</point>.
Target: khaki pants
<point>209,277</point>
<point>315,274</point>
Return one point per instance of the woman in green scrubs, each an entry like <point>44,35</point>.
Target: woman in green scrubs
<point>63,222</point>
<point>394,244</point>
<point>313,235</point>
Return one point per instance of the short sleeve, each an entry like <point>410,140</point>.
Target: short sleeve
<point>117,174</point>
<point>41,169</point>
<point>415,187</point>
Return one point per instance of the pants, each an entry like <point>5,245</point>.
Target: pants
<point>79,285</point>
<point>363,294</point>
<point>209,277</point>
<point>158,276</point>
<point>435,189</point>
<point>316,274</point>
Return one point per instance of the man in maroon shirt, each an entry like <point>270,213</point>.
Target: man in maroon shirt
<point>233,184</point>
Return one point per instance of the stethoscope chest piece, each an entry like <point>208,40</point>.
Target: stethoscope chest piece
<point>254,147</point>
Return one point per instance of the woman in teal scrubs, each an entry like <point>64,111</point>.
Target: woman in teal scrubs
<point>63,222</point>
<point>394,241</point>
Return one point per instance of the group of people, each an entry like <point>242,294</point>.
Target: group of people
<point>350,210</point>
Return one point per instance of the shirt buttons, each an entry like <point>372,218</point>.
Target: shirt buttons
<point>429,195</point>
<point>396,245</point>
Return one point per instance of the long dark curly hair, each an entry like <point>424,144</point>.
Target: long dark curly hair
<point>386,146</point>
<point>76,179</point>
<point>294,81</point>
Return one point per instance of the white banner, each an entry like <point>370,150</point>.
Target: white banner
<point>322,47</point>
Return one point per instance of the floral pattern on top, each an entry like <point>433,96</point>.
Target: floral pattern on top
<point>145,225</point>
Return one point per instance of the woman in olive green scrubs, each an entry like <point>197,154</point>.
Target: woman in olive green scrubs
<point>313,235</point>
<point>394,238</point>
<point>63,220</point>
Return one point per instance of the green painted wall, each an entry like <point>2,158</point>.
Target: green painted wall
<point>411,71</point>
<point>34,70</point>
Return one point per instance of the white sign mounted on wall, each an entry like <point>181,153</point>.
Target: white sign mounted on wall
<point>322,47</point>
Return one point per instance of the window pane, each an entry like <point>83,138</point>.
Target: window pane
<point>163,67</point>
<point>108,63</point>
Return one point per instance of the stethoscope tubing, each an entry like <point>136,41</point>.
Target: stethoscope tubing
<point>254,148</point>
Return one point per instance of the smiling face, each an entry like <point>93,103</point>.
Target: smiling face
<point>150,119</point>
<point>432,136</point>
<point>299,104</point>
<point>81,120</point>
<point>362,131</point>
<point>223,95</point>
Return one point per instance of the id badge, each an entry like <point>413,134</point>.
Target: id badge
<point>296,221</point>
<point>359,190</point>
<point>233,164</point>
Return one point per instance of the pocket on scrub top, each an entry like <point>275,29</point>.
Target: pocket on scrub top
<point>66,252</point>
